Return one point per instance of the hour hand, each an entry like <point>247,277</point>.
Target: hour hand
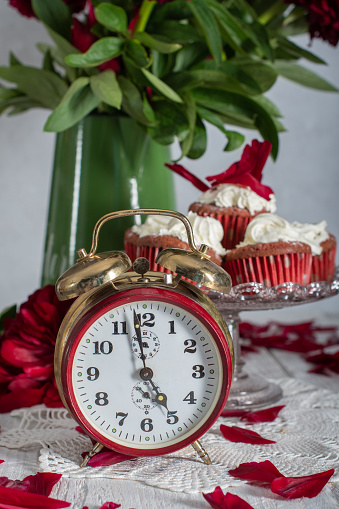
<point>160,397</point>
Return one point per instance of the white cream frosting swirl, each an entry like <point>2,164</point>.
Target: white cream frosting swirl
<point>206,230</point>
<point>272,228</point>
<point>231,195</point>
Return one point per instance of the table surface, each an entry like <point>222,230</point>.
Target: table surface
<point>134,494</point>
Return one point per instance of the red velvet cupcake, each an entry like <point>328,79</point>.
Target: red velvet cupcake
<point>236,195</point>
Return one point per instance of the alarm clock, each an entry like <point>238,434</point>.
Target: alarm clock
<point>143,359</point>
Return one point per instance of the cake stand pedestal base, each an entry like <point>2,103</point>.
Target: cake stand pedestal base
<point>248,392</point>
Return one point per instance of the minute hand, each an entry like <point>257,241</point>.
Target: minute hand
<point>139,338</point>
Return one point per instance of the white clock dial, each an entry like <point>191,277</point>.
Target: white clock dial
<point>105,370</point>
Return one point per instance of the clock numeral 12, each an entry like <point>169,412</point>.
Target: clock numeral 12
<point>149,319</point>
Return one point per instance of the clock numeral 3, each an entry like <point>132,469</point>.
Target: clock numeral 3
<point>172,418</point>
<point>190,398</point>
<point>190,346</point>
<point>198,371</point>
<point>93,373</point>
<point>101,398</point>
<point>146,425</point>
<point>123,417</point>
<point>104,347</point>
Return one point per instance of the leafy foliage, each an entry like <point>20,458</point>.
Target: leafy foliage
<point>173,66</point>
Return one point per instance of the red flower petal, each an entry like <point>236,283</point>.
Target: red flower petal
<point>20,399</point>
<point>11,498</point>
<point>267,415</point>
<point>103,459</point>
<point>110,505</point>
<point>218,500</point>
<point>42,482</point>
<point>233,413</point>
<point>261,473</point>
<point>236,434</point>
<point>2,461</point>
<point>180,170</point>
<point>18,485</point>
<point>306,486</point>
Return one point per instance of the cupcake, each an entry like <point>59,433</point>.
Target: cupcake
<point>235,196</point>
<point>161,232</point>
<point>275,251</point>
<point>323,252</point>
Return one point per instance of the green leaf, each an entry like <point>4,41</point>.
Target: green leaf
<point>19,105</point>
<point>171,123</point>
<point>208,26</point>
<point>262,73</point>
<point>106,87</point>
<point>44,86</point>
<point>132,102</point>
<point>112,17</point>
<point>190,55</point>
<point>48,62</point>
<point>13,60</point>
<point>101,51</point>
<point>137,54</point>
<point>297,52</point>
<point>161,86</point>
<point>9,312</point>
<point>148,111</point>
<point>65,47</point>
<point>240,110</point>
<point>178,32</point>
<point>232,29</point>
<point>305,77</point>
<point>235,140</point>
<point>199,142</point>
<point>158,45</point>
<point>78,102</point>
<point>191,114</point>
<point>8,93</point>
<point>55,14</point>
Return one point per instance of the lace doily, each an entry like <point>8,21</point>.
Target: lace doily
<point>306,432</point>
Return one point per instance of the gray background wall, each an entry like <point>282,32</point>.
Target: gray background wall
<point>305,177</point>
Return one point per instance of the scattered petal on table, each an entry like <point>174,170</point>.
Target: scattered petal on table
<point>103,459</point>
<point>218,500</point>
<point>232,413</point>
<point>260,473</point>
<point>267,415</point>
<point>306,486</point>
<point>42,482</point>
<point>236,434</point>
<point>110,505</point>
<point>11,498</point>
<point>20,399</point>
<point>18,485</point>
<point>2,461</point>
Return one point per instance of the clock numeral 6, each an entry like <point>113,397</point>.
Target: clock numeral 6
<point>104,347</point>
<point>146,425</point>
<point>93,373</point>
<point>101,398</point>
<point>172,418</point>
<point>190,346</point>
<point>198,371</point>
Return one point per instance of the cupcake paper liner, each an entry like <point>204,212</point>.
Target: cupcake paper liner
<point>271,270</point>
<point>323,266</point>
<point>147,252</point>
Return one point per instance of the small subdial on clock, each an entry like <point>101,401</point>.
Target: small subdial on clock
<point>143,396</point>
<point>150,344</point>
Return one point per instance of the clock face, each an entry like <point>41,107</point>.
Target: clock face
<point>147,372</point>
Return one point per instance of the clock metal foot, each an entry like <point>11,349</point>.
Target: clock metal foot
<point>201,452</point>
<point>97,448</point>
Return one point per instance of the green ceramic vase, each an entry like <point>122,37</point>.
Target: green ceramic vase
<point>101,165</point>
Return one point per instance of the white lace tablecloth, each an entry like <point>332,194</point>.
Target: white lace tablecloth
<point>306,432</point>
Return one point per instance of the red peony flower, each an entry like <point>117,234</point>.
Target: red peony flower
<point>27,352</point>
<point>25,6</point>
<point>322,18</point>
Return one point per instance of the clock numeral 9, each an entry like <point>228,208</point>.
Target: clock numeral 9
<point>146,425</point>
<point>93,373</point>
<point>101,398</point>
<point>199,371</point>
<point>172,418</point>
<point>104,347</point>
<point>190,346</point>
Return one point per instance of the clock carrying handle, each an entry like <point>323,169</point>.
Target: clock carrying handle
<point>137,212</point>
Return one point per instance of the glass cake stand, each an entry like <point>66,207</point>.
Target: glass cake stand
<point>251,392</point>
